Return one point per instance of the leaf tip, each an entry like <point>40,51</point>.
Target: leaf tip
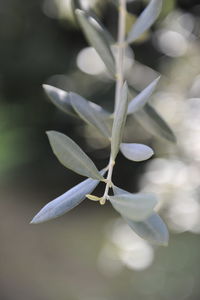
<point>49,132</point>
<point>34,220</point>
<point>165,242</point>
<point>40,217</point>
<point>158,78</point>
<point>49,89</point>
<point>44,85</point>
<point>151,152</point>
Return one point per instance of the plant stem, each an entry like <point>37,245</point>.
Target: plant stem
<point>109,181</point>
<point>120,51</point>
<point>119,82</point>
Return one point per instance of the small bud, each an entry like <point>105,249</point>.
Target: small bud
<point>93,198</point>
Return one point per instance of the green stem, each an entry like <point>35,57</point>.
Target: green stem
<point>119,83</point>
<point>120,51</point>
<point>109,182</point>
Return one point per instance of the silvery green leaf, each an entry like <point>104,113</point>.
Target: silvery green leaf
<point>154,123</point>
<point>141,99</point>
<point>59,98</point>
<point>91,113</point>
<point>136,152</point>
<point>145,20</point>
<point>119,191</point>
<point>136,207</point>
<point>97,38</point>
<point>119,122</point>
<point>72,156</point>
<point>153,229</point>
<point>65,202</point>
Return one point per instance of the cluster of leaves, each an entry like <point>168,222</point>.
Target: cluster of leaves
<point>137,209</point>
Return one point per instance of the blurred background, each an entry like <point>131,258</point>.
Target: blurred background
<point>90,254</point>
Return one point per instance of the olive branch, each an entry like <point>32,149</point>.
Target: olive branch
<point>137,209</point>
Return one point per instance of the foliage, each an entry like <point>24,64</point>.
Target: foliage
<point>137,209</point>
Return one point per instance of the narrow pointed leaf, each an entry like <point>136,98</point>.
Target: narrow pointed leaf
<point>119,122</point>
<point>136,207</point>
<point>145,20</point>
<point>136,152</point>
<point>91,113</point>
<point>141,99</point>
<point>154,123</point>
<point>59,98</point>
<point>153,229</point>
<point>72,156</point>
<point>65,202</point>
<point>97,38</point>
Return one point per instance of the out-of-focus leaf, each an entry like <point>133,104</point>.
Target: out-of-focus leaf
<point>168,7</point>
<point>97,38</point>
<point>154,123</point>
<point>59,98</point>
<point>72,156</point>
<point>136,152</point>
<point>145,20</point>
<point>119,122</point>
<point>141,99</point>
<point>65,202</point>
<point>130,20</point>
<point>153,229</point>
<point>136,207</point>
<point>91,113</point>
